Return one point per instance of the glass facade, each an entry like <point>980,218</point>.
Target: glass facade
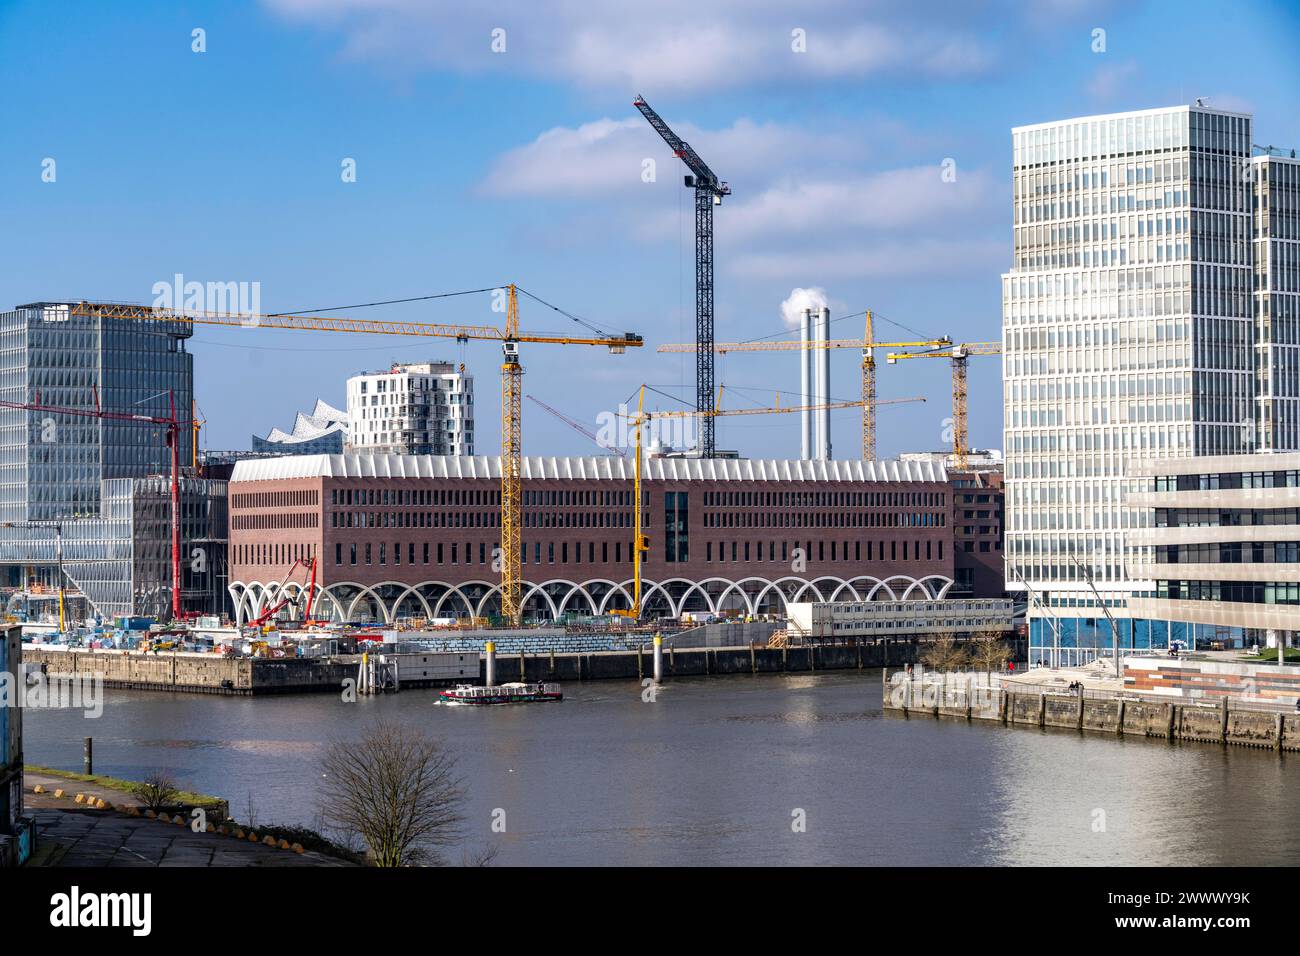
<point>84,472</point>
<point>1128,327</point>
<point>1276,215</point>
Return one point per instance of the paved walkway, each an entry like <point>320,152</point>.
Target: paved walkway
<point>71,834</point>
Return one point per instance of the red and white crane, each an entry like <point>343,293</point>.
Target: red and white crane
<point>172,425</point>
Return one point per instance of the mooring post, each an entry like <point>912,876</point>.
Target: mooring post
<point>1119,724</point>
<point>1173,720</point>
<point>753,659</point>
<point>552,663</point>
<point>490,674</point>
<point>88,757</point>
<point>640,672</point>
<point>1223,721</point>
<point>1281,724</point>
<point>1042,710</point>
<point>1079,719</point>
<point>659,659</point>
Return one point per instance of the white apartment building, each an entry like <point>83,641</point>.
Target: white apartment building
<point>420,409</point>
<point>1129,333</point>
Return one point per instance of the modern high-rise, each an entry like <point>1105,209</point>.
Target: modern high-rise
<point>1275,176</point>
<point>1129,333</point>
<point>420,409</point>
<point>100,480</point>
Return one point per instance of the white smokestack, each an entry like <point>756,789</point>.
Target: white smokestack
<point>824,362</point>
<point>797,312</point>
<point>805,385</point>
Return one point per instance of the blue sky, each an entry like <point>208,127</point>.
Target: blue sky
<point>476,168</point>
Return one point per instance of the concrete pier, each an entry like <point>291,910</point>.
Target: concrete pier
<point>981,696</point>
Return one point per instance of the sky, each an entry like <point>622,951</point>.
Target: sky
<point>867,148</point>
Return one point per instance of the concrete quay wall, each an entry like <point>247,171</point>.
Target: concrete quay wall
<point>1221,722</point>
<point>214,674</point>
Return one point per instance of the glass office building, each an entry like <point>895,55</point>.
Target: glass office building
<point>1275,176</point>
<point>1129,333</point>
<point>84,472</point>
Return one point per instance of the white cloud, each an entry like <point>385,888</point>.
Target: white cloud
<point>667,46</point>
<point>608,154</point>
<point>805,206</point>
<point>895,199</point>
<point>883,258</point>
<point>792,308</point>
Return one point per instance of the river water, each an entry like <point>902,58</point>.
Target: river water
<point>725,771</point>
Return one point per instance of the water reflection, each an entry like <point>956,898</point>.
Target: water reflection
<point>712,772</point>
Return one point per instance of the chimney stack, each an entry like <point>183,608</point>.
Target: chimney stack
<point>805,385</point>
<point>822,385</point>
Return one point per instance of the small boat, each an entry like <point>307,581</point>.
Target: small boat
<point>512,693</point>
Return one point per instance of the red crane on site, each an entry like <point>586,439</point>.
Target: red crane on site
<point>172,425</point>
<point>309,565</point>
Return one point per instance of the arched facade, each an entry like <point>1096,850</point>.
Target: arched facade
<point>543,601</point>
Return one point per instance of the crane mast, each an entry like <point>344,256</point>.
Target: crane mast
<point>709,191</point>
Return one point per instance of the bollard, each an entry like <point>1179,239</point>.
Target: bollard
<point>640,668</point>
<point>88,758</point>
<point>753,660</point>
<point>659,659</point>
<point>490,676</point>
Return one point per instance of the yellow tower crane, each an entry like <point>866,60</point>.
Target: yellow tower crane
<point>640,542</point>
<point>511,387</point>
<point>867,344</point>
<point>958,354</point>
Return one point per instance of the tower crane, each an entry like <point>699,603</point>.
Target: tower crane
<point>867,344</point>
<point>511,387</point>
<point>958,354</point>
<point>709,191</point>
<point>172,425</point>
<point>577,426</point>
<point>640,542</point>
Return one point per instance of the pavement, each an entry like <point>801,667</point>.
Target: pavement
<point>78,835</point>
<point>1099,675</point>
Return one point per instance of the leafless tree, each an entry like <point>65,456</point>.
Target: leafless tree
<point>481,856</point>
<point>989,650</point>
<point>944,654</point>
<point>157,790</point>
<point>396,789</point>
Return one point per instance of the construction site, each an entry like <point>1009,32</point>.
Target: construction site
<point>340,557</point>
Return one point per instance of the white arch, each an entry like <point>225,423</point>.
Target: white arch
<point>871,595</point>
<point>835,595</point>
<point>413,589</point>
<point>776,586</point>
<point>614,589</point>
<point>579,589</point>
<point>930,591</point>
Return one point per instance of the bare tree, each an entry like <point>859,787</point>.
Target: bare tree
<point>157,790</point>
<point>396,789</point>
<point>989,650</point>
<point>944,654</point>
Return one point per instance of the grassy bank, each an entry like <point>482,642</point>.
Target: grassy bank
<point>129,786</point>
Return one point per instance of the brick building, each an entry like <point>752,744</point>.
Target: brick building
<point>977,522</point>
<point>415,536</point>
